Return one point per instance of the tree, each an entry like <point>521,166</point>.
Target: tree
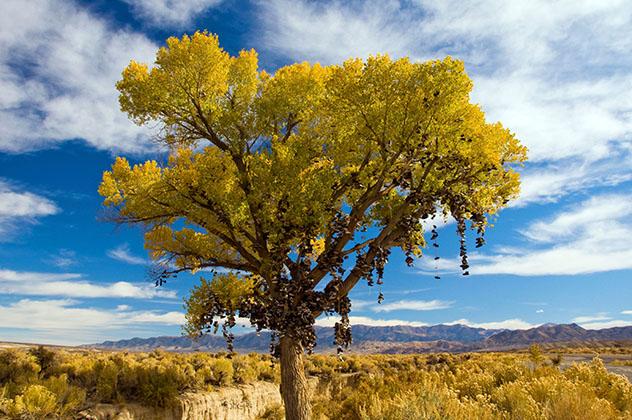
<point>535,355</point>
<point>273,176</point>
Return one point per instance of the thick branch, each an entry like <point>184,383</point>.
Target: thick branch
<point>332,247</point>
<point>229,240</point>
<point>211,264</point>
<point>358,247</point>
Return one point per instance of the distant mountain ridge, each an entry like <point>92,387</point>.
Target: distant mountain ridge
<point>542,334</point>
<point>392,339</point>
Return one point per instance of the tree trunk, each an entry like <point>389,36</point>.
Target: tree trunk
<point>293,381</point>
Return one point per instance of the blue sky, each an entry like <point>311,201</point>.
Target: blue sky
<point>558,74</point>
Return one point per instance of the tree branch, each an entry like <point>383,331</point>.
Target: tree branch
<point>358,246</point>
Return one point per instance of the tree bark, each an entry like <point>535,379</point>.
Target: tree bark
<point>294,388</point>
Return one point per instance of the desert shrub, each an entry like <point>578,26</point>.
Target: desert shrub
<point>106,373</point>
<point>477,386</point>
<point>578,405</point>
<point>223,371</point>
<point>17,368</point>
<point>435,386</point>
<point>275,412</point>
<point>513,398</point>
<point>556,359</point>
<point>81,369</point>
<point>362,364</point>
<point>426,402</point>
<point>46,359</point>
<point>470,383</point>
<point>564,399</point>
<point>320,365</point>
<point>34,402</point>
<point>69,397</point>
<point>204,377</point>
<point>159,385</point>
<point>608,386</point>
<point>268,371</point>
<point>127,378</point>
<point>535,354</point>
<point>245,371</point>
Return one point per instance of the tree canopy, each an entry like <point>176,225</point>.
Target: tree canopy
<point>274,176</point>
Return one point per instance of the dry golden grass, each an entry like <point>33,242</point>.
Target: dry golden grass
<point>40,383</point>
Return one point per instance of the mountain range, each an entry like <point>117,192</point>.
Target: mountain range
<point>392,339</point>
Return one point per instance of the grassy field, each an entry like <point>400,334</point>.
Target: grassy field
<point>556,384</point>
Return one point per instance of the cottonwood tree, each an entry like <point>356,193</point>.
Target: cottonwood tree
<point>301,181</point>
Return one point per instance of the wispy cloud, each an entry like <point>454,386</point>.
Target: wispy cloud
<point>543,68</point>
<point>412,305</point>
<point>170,13</point>
<point>600,325</point>
<point>364,320</point>
<point>331,32</point>
<point>592,236</point>
<point>74,59</point>
<point>510,324</point>
<point>74,286</point>
<point>63,258</point>
<point>19,208</point>
<point>609,212</point>
<point>548,183</point>
<point>602,316</point>
<point>65,321</point>
<point>122,253</point>
<point>587,237</point>
<point>535,303</point>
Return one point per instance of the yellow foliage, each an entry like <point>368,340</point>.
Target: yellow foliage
<point>36,401</point>
<point>261,164</point>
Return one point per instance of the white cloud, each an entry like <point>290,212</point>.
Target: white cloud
<point>408,291</point>
<point>24,204</point>
<point>58,67</point>
<point>484,33</point>
<point>330,33</point>
<point>122,253</point>
<point>593,237</point>
<point>152,317</point>
<point>65,322</point>
<point>545,69</point>
<point>600,325</point>
<point>547,184</point>
<point>359,304</point>
<point>363,320</point>
<point>602,316</point>
<point>628,312</point>
<point>510,324</point>
<point>555,123</point>
<point>539,311</point>
<point>589,237</point>
<point>604,212</point>
<point>171,13</point>
<point>438,220</point>
<point>64,258</point>
<point>73,285</point>
<point>412,305</point>
<point>21,207</point>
